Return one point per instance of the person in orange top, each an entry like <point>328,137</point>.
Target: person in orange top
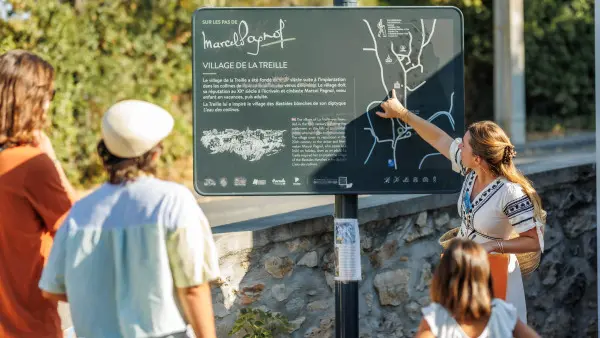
<point>34,196</point>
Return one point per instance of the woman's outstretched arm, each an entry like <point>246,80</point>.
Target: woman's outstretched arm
<point>429,132</point>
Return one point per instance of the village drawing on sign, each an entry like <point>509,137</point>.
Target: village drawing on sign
<point>407,55</point>
<point>251,145</point>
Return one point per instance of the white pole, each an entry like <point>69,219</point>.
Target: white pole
<point>509,69</point>
<point>517,70</point>
<point>500,45</point>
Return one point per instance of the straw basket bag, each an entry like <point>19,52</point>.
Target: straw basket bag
<point>528,261</point>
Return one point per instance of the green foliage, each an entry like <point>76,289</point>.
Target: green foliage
<point>106,52</point>
<point>256,323</point>
<point>559,45</point>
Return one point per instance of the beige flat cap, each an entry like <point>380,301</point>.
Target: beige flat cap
<point>130,128</point>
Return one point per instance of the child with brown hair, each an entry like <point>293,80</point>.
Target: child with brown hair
<point>463,303</point>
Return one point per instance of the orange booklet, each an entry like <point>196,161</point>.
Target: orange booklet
<point>499,267</point>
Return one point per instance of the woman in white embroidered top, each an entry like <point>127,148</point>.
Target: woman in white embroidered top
<point>463,303</point>
<point>496,200</point>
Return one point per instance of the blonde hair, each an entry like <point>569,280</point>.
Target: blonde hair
<point>26,82</point>
<point>462,281</point>
<point>490,142</point>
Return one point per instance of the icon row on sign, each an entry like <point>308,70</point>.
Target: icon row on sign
<point>408,179</point>
<point>241,181</point>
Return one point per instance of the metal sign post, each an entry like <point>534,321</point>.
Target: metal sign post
<point>346,293</point>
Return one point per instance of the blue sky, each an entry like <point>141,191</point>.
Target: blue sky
<point>6,8</point>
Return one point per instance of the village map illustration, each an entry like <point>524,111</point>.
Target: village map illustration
<point>398,44</point>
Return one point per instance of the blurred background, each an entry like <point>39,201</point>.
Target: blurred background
<point>105,51</point>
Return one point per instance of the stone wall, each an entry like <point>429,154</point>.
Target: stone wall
<point>289,269</point>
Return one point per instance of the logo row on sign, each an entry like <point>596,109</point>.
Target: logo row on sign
<point>241,181</point>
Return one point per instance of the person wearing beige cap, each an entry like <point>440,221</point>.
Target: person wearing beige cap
<point>126,247</point>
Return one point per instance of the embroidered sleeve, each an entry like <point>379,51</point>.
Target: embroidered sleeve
<point>518,208</point>
<point>455,158</point>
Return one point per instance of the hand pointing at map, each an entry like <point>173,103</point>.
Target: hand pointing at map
<point>393,108</point>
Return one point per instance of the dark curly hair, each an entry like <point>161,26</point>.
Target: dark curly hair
<point>123,170</point>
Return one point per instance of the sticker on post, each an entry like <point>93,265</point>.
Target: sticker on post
<point>347,250</point>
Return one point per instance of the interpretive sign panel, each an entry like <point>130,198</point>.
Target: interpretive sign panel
<point>285,99</point>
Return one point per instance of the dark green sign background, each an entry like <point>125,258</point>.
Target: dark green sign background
<point>285,99</point>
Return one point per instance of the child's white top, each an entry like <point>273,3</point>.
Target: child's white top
<point>500,325</point>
